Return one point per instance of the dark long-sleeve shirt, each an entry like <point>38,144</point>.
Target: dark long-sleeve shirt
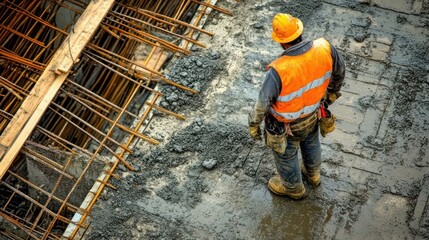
<point>272,85</point>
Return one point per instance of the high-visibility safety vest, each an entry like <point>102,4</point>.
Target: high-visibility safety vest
<point>305,79</point>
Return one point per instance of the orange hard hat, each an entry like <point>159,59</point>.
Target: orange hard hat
<point>286,28</point>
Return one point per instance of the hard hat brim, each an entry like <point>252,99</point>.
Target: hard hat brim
<point>292,37</point>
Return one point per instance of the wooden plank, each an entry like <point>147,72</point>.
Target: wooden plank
<point>36,103</point>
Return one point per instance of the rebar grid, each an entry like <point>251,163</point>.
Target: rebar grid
<point>94,117</point>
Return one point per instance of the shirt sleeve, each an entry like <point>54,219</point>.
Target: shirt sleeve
<point>268,94</point>
<point>338,71</point>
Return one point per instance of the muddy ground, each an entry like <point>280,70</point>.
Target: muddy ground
<point>207,179</point>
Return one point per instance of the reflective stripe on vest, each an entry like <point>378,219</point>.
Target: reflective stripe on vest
<point>295,115</point>
<point>305,79</point>
<point>311,85</point>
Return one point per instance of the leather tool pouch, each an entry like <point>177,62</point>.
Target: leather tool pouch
<point>276,142</point>
<point>275,134</point>
<point>327,123</point>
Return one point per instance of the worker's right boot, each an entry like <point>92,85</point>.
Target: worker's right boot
<point>278,186</point>
<point>312,175</point>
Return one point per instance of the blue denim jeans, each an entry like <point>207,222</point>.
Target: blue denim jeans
<point>288,164</point>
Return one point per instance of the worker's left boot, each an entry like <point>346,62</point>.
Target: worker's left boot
<point>278,186</point>
<point>312,175</point>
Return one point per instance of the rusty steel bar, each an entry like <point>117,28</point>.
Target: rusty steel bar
<point>42,44</point>
<point>197,20</point>
<point>81,129</point>
<point>53,136</point>
<point>156,27</point>
<point>45,192</point>
<point>120,74</point>
<point>100,190</point>
<point>26,229</point>
<point>18,224</point>
<point>97,98</point>
<point>160,77</point>
<point>29,14</point>
<point>222,10</point>
<point>50,135</point>
<point>92,158</point>
<point>175,20</point>
<point>22,60</point>
<point>102,116</point>
<point>48,211</point>
<point>166,44</point>
<point>44,160</point>
<point>51,163</point>
<point>117,125</point>
<point>51,195</point>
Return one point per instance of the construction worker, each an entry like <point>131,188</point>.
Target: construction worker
<point>289,103</point>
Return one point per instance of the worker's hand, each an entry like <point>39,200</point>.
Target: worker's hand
<point>331,97</point>
<point>255,132</point>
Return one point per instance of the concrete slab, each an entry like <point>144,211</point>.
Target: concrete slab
<point>382,218</point>
<point>419,220</point>
<point>373,163</point>
<point>398,6</point>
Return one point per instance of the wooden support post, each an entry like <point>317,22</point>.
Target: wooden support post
<point>54,75</point>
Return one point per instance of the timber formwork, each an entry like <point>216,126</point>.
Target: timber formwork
<point>77,85</point>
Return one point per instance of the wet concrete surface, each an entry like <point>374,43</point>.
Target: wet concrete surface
<point>207,179</point>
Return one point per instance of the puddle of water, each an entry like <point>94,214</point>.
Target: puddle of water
<point>288,219</point>
<point>264,215</point>
<point>241,210</point>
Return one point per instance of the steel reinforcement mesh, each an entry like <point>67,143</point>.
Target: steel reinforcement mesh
<point>97,112</point>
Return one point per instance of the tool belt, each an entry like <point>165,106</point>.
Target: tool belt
<point>276,132</point>
<point>303,124</point>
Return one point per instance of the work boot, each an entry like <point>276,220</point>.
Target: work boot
<point>276,186</point>
<point>312,176</point>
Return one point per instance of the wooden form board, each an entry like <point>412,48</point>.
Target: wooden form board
<point>36,103</point>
